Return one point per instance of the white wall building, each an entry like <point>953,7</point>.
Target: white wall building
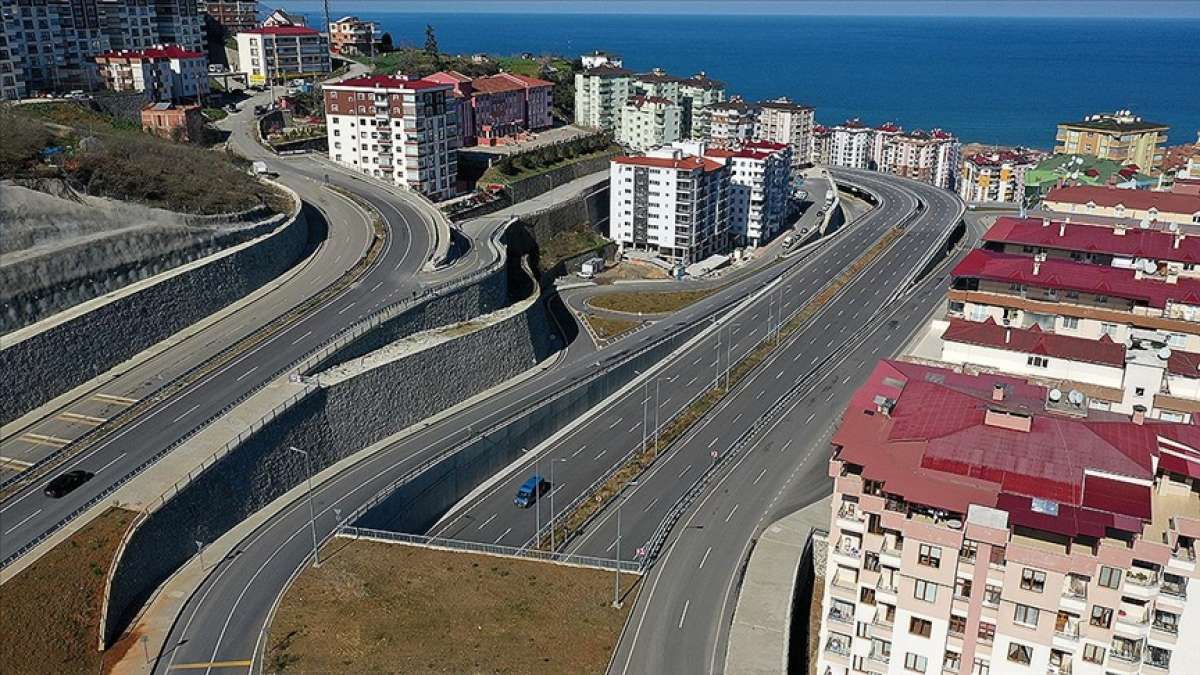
<point>669,203</point>
<point>782,121</point>
<point>403,130</point>
<point>599,58</point>
<point>727,124</point>
<point>850,145</point>
<point>275,53</point>
<point>600,95</point>
<point>162,72</point>
<point>760,184</point>
<point>649,122</point>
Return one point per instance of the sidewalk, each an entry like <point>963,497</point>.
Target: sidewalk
<point>758,637</point>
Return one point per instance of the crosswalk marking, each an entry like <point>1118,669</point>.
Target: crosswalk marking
<point>80,418</point>
<point>43,439</point>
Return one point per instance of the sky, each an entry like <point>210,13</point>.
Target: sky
<point>1003,8</point>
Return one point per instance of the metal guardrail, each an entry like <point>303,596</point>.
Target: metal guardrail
<point>490,549</point>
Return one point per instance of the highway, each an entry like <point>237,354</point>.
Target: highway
<point>225,619</point>
<point>29,515</point>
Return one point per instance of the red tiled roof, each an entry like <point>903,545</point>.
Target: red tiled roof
<point>1035,341</point>
<point>1072,276</point>
<point>685,163</point>
<point>157,52</point>
<point>495,84</point>
<point>888,127</point>
<point>764,145</point>
<point>448,77</point>
<point>936,449</point>
<point>1102,195</point>
<point>1186,364</point>
<point>527,81</point>
<point>1135,243</point>
<point>385,82</point>
<point>283,30</point>
<point>639,101</point>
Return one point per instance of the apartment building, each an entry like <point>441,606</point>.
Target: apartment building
<point>649,122</point>
<point>669,203</point>
<point>129,24</point>
<point>696,93</point>
<point>850,145</point>
<point>760,179</point>
<point>399,129</point>
<point>48,46</point>
<point>179,22</point>
<point>1110,202</point>
<point>782,121</point>
<point>930,157</point>
<point>276,53</point>
<point>235,16</point>
<point>728,124</point>
<point>162,72</point>
<point>600,95</point>
<point>997,176</point>
<point>352,36</point>
<point>1120,136</point>
<point>598,58</point>
<point>180,123</point>
<point>980,526</point>
<point>279,17</point>
<point>495,107</point>
<point>820,146</point>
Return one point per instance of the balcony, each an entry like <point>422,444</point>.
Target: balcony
<point>1174,588</point>
<point>841,615</point>
<point>838,645</point>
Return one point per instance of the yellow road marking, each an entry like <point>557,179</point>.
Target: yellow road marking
<point>14,463</point>
<point>82,419</point>
<point>211,664</point>
<point>42,439</point>
<point>110,398</point>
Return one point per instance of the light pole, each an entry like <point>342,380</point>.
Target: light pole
<point>645,402</point>
<point>657,405</point>
<point>537,497</point>
<point>553,489</point>
<point>617,577</point>
<point>200,552</point>
<point>312,515</point>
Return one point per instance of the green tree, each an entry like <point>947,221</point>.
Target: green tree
<point>385,43</point>
<point>431,45</point>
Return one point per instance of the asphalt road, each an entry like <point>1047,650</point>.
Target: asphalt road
<point>225,619</point>
<point>29,514</point>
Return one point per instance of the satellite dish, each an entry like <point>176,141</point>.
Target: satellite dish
<point>1173,226</point>
<point>1075,397</point>
<point>1055,395</point>
<point>1164,353</point>
<point>1148,266</point>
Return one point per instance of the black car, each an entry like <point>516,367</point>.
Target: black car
<point>67,482</point>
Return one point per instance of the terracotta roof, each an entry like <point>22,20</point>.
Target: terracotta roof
<point>283,30</point>
<point>702,81</point>
<point>448,76</point>
<point>1134,243</point>
<point>157,52</point>
<point>526,80</point>
<point>684,163</point>
<point>1033,340</point>
<point>1072,276</point>
<point>659,77</point>
<point>495,84</point>
<point>936,448</point>
<point>1103,195</point>
<point>764,145</point>
<point>888,127</point>
<point>385,82</point>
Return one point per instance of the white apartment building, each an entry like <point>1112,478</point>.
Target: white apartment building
<point>649,122</point>
<point>996,177</point>
<point>930,157</point>
<point>820,146</point>
<point>669,203</point>
<point>599,58</point>
<point>162,72</point>
<point>727,124</point>
<point>760,179</point>
<point>274,53</point>
<point>179,22</point>
<point>695,93</point>
<point>658,83</point>
<point>850,145</point>
<point>600,96</point>
<point>782,121</point>
<point>402,130</point>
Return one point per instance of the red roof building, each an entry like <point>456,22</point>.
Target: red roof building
<point>1058,235</point>
<point>496,108</point>
<point>1111,202</point>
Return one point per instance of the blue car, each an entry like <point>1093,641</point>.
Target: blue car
<point>535,486</point>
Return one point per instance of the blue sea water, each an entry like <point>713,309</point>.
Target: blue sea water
<point>993,80</point>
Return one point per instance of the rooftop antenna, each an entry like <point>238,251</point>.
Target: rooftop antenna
<point>326,31</point>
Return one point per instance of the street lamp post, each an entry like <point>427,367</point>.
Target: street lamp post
<point>537,498</point>
<point>657,405</point>
<point>645,402</point>
<point>312,514</point>
<point>200,552</point>
<point>617,576</point>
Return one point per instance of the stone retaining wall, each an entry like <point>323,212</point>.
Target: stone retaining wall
<point>536,185</point>
<point>78,349</point>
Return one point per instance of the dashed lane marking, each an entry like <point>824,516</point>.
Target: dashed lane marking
<point>112,398</point>
<point>78,418</point>
<point>43,439</point>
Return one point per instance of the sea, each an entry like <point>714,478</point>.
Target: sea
<point>1004,81</point>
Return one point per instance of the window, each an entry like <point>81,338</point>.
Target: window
<point>980,667</point>
<point>920,627</point>
<point>958,624</point>
<point>951,661</point>
<point>915,662</point>
<point>991,595</point>
<point>987,631</point>
<point>1101,616</point>
<point>1110,577</point>
<point>929,556</point>
<point>962,588</point>
<point>867,596</point>
<point>924,590</point>
<point>968,550</point>
<point>1177,340</point>
<point>881,650</point>
<point>1019,653</point>
<point>1026,615</point>
<point>1102,299</point>
<point>1070,322</point>
<point>1033,580</point>
<point>1139,391</point>
<point>1037,361</point>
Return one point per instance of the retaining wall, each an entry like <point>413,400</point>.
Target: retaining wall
<point>536,185</point>
<point>78,349</point>
<point>330,422</point>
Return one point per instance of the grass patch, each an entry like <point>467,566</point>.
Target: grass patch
<point>215,114</point>
<point>540,161</point>
<point>607,327</point>
<point>446,612</point>
<point>50,612</point>
<point>649,302</point>
<point>566,244</point>
<point>418,62</point>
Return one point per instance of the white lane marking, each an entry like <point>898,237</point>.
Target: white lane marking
<point>302,337</point>
<point>485,523</point>
<point>347,307</point>
<point>614,424</point>
<point>764,472</point>
<point>693,380</point>
<point>738,417</point>
<point>189,412</point>
<point>810,418</point>
<point>714,441</point>
<point>689,468</point>
<point>683,617</point>
<point>705,558</point>
<point>650,505</point>
<point>779,375</point>
<point>599,455</point>
<point>735,508</point>
<point>634,427</point>
<point>375,287</point>
<point>114,461</point>
<point>24,520</point>
<point>574,454</point>
<point>246,374</point>
<point>497,541</point>
<point>760,394</point>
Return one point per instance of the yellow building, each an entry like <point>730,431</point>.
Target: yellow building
<point>1119,136</point>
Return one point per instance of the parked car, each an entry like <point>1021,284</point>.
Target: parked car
<point>67,482</point>
<point>529,492</point>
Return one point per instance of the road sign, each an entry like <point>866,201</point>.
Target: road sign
<point>640,552</point>
<point>714,454</point>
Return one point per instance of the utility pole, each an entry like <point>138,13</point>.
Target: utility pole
<point>728,356</point>
<point>552,486</point>
<point>312,515</point>
<point>645,402</point>
<point>617,576</point>
<point>537,501</point>
<point>657,405</point>
<point>327,19</point>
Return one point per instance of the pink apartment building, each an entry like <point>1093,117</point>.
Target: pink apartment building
<point>980,526</point>
<point>498,106</point>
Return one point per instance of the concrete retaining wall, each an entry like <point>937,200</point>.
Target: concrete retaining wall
<point>536,185</point>
<point>333,421</point>
<point>78,349</point>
